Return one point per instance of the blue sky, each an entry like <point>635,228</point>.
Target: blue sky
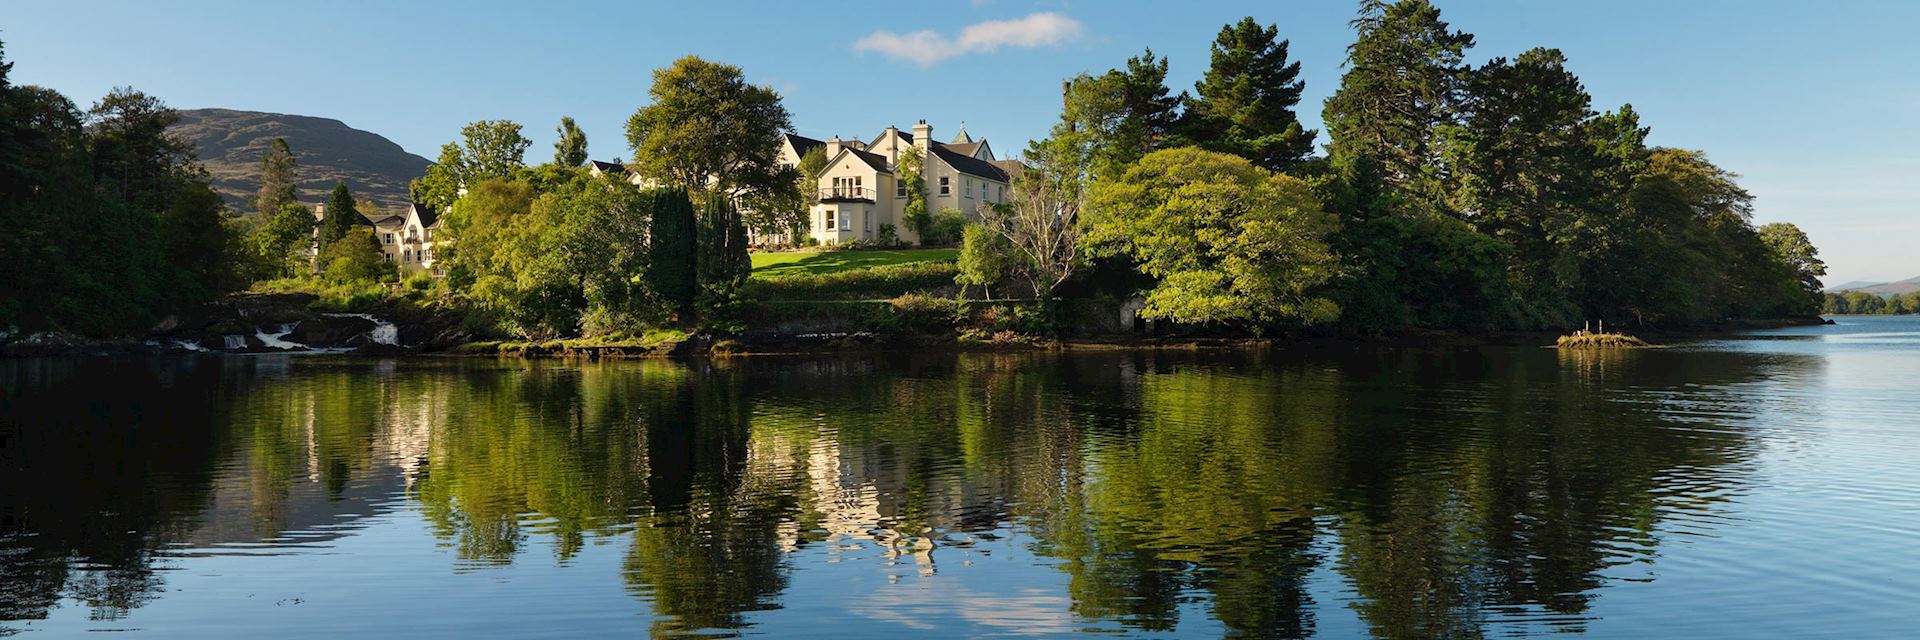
<point>1811,102</point>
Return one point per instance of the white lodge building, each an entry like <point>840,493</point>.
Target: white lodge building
<point>406,240</point>
<point>859,192</point>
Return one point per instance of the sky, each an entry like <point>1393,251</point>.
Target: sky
<point>1812,102</point>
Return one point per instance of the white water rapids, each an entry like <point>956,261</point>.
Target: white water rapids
<point>383,332</point>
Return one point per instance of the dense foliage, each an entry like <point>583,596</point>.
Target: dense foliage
<point>1462,197</point>
<point>106,223</point>
<point>1864,303</point>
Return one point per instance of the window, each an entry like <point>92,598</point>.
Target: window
<point>846,221</point>
<point>387,238</point>
<point>899,188</point>
<point>387,257</point>
<point>406,256</point>
<point>828,224</point>
<point>944,190</point>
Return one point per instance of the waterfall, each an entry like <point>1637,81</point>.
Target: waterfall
<point>275,339</point>
<point>383,332</point>
<point>194,345</point>
<point>236,342</point>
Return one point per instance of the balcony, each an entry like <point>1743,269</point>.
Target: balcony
<point>846,194</point>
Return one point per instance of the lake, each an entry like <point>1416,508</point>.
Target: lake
<point>1762,485</point>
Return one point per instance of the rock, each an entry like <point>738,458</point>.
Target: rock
<point>330,331</point>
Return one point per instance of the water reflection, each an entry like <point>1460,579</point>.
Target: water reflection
<point>1446,492</point>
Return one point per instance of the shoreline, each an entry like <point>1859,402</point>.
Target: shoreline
<point>713,346</point>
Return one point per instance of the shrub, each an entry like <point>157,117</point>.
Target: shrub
<point>1599,341</point>
<point>923,313</point>
<point>874,283</point>
<point>419,281</point>
<point>944,228</point>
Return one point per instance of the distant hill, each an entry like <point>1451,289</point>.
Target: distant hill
<point>1902,287</point>
<point>231,144</point>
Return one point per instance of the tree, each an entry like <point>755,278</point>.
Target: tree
<point>1226,241</point>
<point>1797,255</point>
<point>571,149</point>
<point>1523,172</point>
<point>489,149</point>
<point>709,131</point>
<point>1041,218</point>
<point>1115,118</point>
<point>277,176</point>
<point>1403,82</point>
<point>355,258</point>
<point>673,241</point>
<point>721,261</point>
<point>341,216</point>
<point>1244,104</point>
<point>132,150</point>
<point>982,259</point>
<point>280,245</point>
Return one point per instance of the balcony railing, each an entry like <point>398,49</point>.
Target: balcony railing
<point>846,194</point>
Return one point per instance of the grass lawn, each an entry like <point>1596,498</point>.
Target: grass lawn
<point>816,262</point>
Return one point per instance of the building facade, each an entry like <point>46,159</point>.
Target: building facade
<point>859,194</point>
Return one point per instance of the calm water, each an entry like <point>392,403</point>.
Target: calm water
<point>1764,486</point>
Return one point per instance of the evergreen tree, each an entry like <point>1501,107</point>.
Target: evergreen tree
<point>1244,104</point>
<point>722,261</point>
<point>1524,171</point>
<point>1403,82</point>
<point>277,176</point>
<point>571,149</point>
<point>673,245</point>
<point>341,215</point>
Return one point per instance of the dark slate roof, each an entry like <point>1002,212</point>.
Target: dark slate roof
<point>969,165</point>
<point>428,217</point>
<point>608,167</point>
<point>1013,168</point>
<point>967,148</point>
<point>875,160</point>
<point>803,144</point>
<point>385,220</point>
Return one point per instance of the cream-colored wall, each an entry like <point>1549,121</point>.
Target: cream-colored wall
<point>864,218</point>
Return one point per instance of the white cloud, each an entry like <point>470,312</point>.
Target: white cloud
<point>928,47</point>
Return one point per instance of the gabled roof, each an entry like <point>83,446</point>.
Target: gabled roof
<point>1013,168</point>
<point>967,164</point>
<point>802,144</point>
<point>608,167</point>
<point>386,220</point>
<point>961,136</point>
<point>874,160</point>
<point>967,148</point>
<point>904,135</point>
<point>428,217</point>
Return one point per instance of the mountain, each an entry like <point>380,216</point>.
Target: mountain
<point>231,144</point>
<point>1902,287</point>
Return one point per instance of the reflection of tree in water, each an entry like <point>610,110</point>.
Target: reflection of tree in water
<point>1447,488</point>
<point>707,548</point>
<point>94,477</point>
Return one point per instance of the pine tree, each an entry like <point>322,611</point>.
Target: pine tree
<point>341,215</point>
<point>673,245</point>
<point>1403,82</point>
<point>277,176</point>
<point>571,149</point>
<point>1244,105</point>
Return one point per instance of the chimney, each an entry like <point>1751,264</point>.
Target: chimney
<point>922,135</point>
<point>833,147</point>
<point>319,212</point>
